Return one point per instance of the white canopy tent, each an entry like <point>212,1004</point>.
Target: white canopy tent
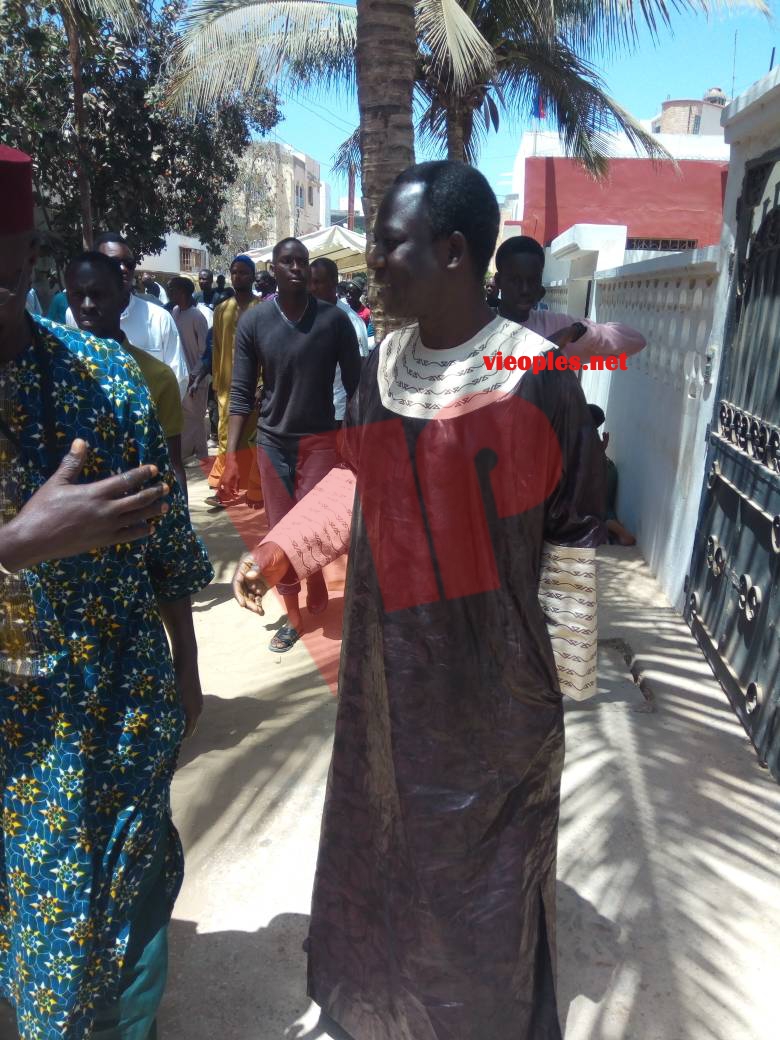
<point>346,248</point>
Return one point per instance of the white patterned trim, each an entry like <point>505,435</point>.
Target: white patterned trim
<point>419,383</point>
<point>567,594</point>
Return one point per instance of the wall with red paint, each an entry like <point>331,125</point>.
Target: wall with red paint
<point>653,200</point>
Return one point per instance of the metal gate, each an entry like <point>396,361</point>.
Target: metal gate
<point>732,602</point>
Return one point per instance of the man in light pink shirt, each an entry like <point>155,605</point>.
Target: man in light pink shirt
<point>519,271</point>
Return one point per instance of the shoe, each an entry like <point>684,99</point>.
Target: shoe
<point>215,502</point>
<point>284,640</point>
<point>211,443</point>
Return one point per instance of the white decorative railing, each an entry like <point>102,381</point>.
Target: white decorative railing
<point>657,411</point>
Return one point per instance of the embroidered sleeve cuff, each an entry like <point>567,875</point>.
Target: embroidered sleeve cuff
<point>316,530</point>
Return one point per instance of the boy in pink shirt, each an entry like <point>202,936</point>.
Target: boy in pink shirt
<point>519,271</point>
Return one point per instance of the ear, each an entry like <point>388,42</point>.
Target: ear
<point>543,293</point>
<point>497,279</point>
<point>272,269</point>
<point>457,250</point>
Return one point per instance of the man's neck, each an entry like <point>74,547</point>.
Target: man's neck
<point>243,297</point>
<point>512,315</point>
<point>464,315</point>
<point>293,305</point>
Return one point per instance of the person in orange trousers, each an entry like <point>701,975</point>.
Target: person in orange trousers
<point>226,315</point>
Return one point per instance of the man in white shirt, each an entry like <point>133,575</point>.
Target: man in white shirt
<point>324,284</point>
<point>148,327</point>
<point>193,329</point>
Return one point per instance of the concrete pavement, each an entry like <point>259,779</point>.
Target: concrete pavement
<point>669,905</point>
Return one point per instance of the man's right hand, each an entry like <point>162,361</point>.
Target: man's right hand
<point>64,518</point>
<point>256,573</point>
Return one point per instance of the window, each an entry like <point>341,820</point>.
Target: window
<point>661,245</point>
<point>191,260</point>
<point>697,124</point>
<point>311,195</point>
<point>299,196</point>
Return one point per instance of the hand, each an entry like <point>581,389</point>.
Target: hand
<point>231,478</point>
<point>65,519</point>
<point>570,334</point>
<point>195,380</point>
<point>190,694</point>
<point>256,573</point>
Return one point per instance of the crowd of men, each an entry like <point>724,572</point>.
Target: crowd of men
<point>462,494</point>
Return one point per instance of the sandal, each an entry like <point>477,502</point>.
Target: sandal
<point>284,640</point>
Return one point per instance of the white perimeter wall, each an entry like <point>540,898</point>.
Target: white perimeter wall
<point>658,411</point>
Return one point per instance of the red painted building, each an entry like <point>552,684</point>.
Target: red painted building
<point>663,205</point>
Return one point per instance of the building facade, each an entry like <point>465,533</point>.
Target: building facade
<point>296,189</point>
<point>181,254</point>
<point>686,116</point>
<point>665,205</point>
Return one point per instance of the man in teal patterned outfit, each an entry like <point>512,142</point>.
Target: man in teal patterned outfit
<point>93,706</point>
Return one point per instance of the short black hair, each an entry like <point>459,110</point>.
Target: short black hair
<point>267,279</point>
<point>110,236</point>
<point>108,264</point>
<point>180,282</point>
<point>284,242</point>
<point>517,245</point>
<point>329,266</point>
<point>597,414</point>
<point>459,198</point>
<point>206,270</point>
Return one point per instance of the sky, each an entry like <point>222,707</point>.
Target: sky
<point>696,55</point>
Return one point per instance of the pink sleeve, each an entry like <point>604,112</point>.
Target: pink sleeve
<point>316,530</point>
<point>605,340</point>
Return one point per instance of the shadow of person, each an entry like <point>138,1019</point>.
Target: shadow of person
<point>589,950</point>
<point>224,723</point>
<point>238,985</point>
<point>214,595</point>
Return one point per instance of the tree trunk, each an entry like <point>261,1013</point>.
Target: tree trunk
<point>82,173</point>
<point>351,199</point>
<point>456,132</point>
<point>386,55</point>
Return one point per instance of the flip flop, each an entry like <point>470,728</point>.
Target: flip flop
<point>286,637</point>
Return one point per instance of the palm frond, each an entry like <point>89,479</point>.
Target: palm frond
<point>230,47</point>
<point>346,159</point>
<point>608,26</point>
<point>125,15</point>
<point>571,90</point>
<point>457,50</point>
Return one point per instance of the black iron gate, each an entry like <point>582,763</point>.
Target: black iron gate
<point>733,595</point>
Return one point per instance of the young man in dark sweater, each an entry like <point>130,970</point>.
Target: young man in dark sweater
<point>296,342</point>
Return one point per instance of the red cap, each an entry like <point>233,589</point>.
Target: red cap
<point>16,192</point>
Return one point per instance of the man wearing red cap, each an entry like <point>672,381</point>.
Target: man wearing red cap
<point>93,563</point>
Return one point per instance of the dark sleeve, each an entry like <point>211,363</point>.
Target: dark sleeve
<point>574,510</point>
<point>242,389</point>
<point>208,352</point>
<point>176,558</point>
<point>349,355</point>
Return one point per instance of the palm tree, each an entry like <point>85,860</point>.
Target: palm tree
<point>347,161</point>
<point>542,63</point>
<point>237,45</point>
<point>78,20</point>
